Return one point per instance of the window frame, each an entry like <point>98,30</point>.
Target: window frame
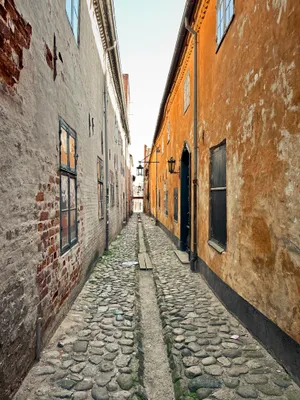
<point>226,25</point>
<point>112,189</point>
<point>175,197</point>
<point>70,173</point>
<point>70,18</point>
<point>186,93</point>
<point>214,242</point>
<point>100,185</point>
<point>168,132</point>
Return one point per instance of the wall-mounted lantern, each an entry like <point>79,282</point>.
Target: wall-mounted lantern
<point>171,166</point>
<point>139,170</point>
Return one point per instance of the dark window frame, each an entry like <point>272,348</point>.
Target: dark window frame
<point>213,240</point>
<point>66,170</point>
<point>112,189</point>
<point>100,185</point>
<point>175,195</point>
<point>166,203</point>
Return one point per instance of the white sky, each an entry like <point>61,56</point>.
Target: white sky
<point>147,32</point>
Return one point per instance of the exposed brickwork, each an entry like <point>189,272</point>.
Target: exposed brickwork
<point>49,57</point>
<point>36,280</point>
<point>15,34</point>
<point>56,275</point>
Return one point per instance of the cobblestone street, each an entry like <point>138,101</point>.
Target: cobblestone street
<point>97,352</point>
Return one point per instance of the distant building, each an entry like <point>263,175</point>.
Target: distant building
<point>147,152</point>
<point>228,129</point>
<point>64,139</point>
<point>138,194</point>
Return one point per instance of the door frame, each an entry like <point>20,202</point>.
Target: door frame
<point>185,199</point>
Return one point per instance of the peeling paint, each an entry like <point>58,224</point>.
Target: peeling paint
<point>281,6</point>
<point>281,85</point>
<point>251,80</point>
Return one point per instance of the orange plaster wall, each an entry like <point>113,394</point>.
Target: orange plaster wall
<point>249,94</point>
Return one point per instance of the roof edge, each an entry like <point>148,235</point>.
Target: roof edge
<point>179,46</point>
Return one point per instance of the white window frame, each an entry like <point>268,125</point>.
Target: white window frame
<point>186,92</point>
<point>168,132</point>
<point>71,11</point>
<point>225,14</point>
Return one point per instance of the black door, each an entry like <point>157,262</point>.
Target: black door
<point>185,214</point>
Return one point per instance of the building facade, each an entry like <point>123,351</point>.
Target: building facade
<point>229,127</point>
<point>138,194</point>
<point>147,152</point>
<point>64,163</point>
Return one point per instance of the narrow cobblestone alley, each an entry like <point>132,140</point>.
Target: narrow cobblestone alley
<point>100,352</point>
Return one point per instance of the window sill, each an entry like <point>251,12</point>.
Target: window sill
<point>216,246</point>
<point>68,249</point>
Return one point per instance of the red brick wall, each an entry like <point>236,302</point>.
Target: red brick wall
<point>15,34</point>
<point>56,275</point>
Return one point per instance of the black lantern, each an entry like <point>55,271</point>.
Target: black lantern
<point>171,165</point>
<point>139,188</point>
<point>139,170</point>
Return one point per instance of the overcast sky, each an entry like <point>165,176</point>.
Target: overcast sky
<point>147,32</point>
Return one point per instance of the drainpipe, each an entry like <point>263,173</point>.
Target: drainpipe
<point>194,256</point>
<point>105,97</point>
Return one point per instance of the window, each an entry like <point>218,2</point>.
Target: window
<point>218,232</point>
<point>186,92</point>
<point>176,204</point>
<point>117,190</point>
<point>167,203</point>
<point>102,142</point>
<point>72,9</point>
<point>168,132</point>
<point>116,131</point>
<point>112,189</point>
<point>100,179</point>
<point>225,13</point>
<point>165,199</point>
<point>68,187</point>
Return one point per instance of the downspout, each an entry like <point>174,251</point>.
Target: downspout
<point>194,256</point>
<point>105,97</point>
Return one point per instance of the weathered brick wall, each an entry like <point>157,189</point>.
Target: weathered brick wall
<point>55,78</point>
<point>15,35</point>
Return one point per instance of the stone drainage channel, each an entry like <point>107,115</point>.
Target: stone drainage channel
<point>157,377</point>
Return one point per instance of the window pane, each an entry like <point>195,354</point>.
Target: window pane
<point>98,170</point>
<point>218,167</point>
<point>64,193</point>
<point>75,26</point>
<point>100,200</point>
<point>218,216</point>
<point>231,8</point>
<point>72,152</point>
<point>72,193</point>
<point>69,9</point>
<point>64,148</point>
<point>64,228</point>
<point>76,6</point>
<point>73,225</point>
<point>176,204</point>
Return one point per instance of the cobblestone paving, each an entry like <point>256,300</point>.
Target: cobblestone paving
<point>94,353</point>
<point>207,362</point>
